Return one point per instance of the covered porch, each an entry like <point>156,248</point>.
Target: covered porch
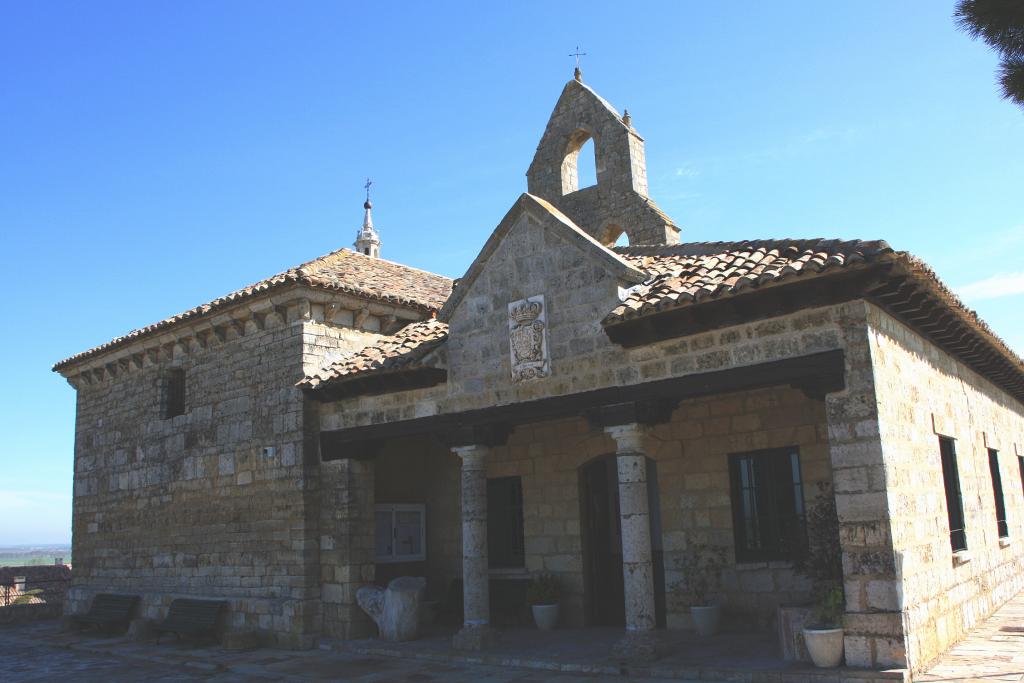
<point>614,488</point>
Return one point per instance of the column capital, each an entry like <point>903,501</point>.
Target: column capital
<point>629,438</point>
<point>471,454</point>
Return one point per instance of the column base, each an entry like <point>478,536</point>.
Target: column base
<point>474,638</point>
<point>636,646</point>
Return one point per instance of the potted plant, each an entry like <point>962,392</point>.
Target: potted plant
<point>822,563</point>
<point>542,594</point>
<point>824,636</point>
<point>701,566</point>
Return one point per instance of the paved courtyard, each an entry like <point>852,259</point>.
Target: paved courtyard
<point>39,652</point>
<point>994,652</point>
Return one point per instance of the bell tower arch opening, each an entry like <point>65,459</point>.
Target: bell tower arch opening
<point>579,166</point>
<point>612,235</point>
<point>617,189</point>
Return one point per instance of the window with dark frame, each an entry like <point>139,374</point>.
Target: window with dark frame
<point>769,521</point>
<point>997,493</point>
<point>174,393</point>
<point>954,500</point>
<point>1020,466</point>
<point>505,539</point>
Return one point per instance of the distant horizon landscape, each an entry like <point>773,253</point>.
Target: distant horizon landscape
<point>35,554</point>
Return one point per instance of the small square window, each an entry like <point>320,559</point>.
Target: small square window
<point>400,533</point>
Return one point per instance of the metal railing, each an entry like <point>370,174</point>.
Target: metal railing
<point>28,591</point>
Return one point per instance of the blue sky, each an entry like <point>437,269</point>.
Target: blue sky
<point>156,155</point>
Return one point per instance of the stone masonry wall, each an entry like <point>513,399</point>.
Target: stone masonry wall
<point>191,505</point>
<point>924,393</point>
<point>418,471</point>
<point>691,452</point>
<point>194,505</point>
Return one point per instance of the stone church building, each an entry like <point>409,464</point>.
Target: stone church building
<point>567,406</point>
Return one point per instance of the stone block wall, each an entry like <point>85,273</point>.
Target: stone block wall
<point>424,471</point>
<point>192,505</point>
<point>346,545</point>
<point>923,393</point>
<point>195,505</point>
<point>691,454</point>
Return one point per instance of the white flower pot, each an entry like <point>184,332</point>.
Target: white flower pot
<point>706,619</point>
<point>546,616</point>
<point>825,646</point>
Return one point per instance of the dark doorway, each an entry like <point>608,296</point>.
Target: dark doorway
<point>602,542</point>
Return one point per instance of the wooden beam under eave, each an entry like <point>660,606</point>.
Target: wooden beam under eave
<point>827,367</point>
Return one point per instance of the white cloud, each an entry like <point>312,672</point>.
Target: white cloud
<point>1003,284</point>
<point>687,172</point>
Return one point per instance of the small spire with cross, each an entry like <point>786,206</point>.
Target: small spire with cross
<point>578,74</point>
<point>367,239</point>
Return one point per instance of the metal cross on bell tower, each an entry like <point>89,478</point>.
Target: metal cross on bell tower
<point>578,74</point>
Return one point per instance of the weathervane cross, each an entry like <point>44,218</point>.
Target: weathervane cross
<point>577,55</point>
<point>367,186</point>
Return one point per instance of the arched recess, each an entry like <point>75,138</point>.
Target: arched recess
<point>573,163</point>
<point>604,592</point>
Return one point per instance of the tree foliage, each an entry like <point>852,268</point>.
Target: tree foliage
<point>701,567</point>
<point>1000,23</point>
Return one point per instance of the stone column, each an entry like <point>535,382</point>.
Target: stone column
<point>476,632</point>
<point>635,521</point>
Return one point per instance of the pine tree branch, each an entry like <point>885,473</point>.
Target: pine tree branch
<point>1000,23</point>
<point>1011,79</point>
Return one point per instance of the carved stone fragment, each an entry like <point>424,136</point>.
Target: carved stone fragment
<point>394,609</point>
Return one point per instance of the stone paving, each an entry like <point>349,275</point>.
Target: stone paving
<point>40,652</point>
<point>992,652</point>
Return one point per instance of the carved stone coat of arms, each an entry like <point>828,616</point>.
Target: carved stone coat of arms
<point>528,338</point>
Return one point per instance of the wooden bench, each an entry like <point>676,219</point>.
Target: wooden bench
<point>192,618</point>
<point>108,611</point>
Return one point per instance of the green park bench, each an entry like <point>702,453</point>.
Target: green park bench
<point>108,611</point>
<point>192,618</point>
